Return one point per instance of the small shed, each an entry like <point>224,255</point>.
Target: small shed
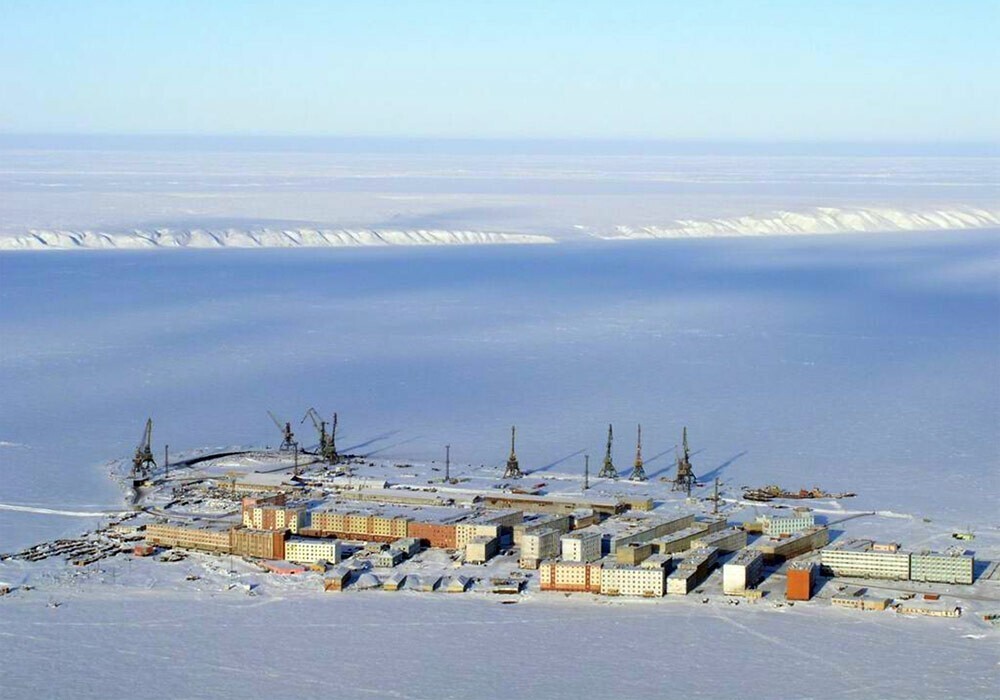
<point>394,582</point>
<point>458,584</point>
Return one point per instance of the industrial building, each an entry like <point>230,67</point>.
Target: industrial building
<point>581,546</point>
<point>683,540</point>
<point>639,527</point>
<point>308,550</point>
<point>778,525</point>
<point>552,503</point>
<point>860,602</point>
<point>584,577</point>
<point>481,549</point>
<point>203,539</point>
<point>860,558</point>
<point>729,540</point>
<point>783,548</point>
<point>942,567</point>
<point>743,571</point>
<point>282,568</point>
<point>800,579</point>
<point>931,610</point>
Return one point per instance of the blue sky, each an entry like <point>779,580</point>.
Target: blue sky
<point>782,70</point>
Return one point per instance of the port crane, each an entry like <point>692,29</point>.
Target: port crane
<point>327,441</point>
<point>638,471</point>
<point>685,473</point>
<point>608,470</point>
<point>143,462</point>
<point>287,436</point>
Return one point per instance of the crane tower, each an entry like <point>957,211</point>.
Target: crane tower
<point>638,472</point>
<point>608,470</point>
<point>143,462</point>
<point>513,470</point>
<point>685,474</point>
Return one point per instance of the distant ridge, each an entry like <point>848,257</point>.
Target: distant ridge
<point>255,238</point>
<point>821,220</point>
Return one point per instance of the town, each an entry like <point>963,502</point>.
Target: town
<point>352,523</point>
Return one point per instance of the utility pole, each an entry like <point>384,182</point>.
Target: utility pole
<point>715,507</point>
<point>586,472</point>
<point>166,462</point>
<point>447,463</point>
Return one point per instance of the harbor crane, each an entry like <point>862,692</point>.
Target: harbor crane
<point>638,471</point>
<point>143,462</point>
<point>684,480</point>
<point>513,470</point>
<point>287,436</point>
<point>608,470</point>
<point>327,441</point>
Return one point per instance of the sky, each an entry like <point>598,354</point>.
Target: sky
<point>731,70</point>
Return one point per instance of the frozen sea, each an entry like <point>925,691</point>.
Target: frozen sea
<point>865,364</point>
<point>861,363</point>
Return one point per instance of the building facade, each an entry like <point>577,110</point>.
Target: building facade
<point>570,576</point>
<point>309,550</point>
<point>778,525</point>
<point>858,558</point>
<point>781,549</point>
<point>942,567</point>
<point>203,539</point>
<point>799,581</point>
<point>260,544</point>
<point>743,571</point>
<point>649,582</point>
<point>581,546</point>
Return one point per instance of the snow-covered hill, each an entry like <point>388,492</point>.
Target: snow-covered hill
<point>822,220</point>
<point>257,238</point>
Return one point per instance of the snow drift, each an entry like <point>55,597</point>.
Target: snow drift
<point>254,238</point>
<point>822,220</point>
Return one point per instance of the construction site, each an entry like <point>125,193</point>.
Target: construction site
<point>349,522</point>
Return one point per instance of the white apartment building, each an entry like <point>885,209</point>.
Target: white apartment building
<point>309,550</point>
<point>942,567</point>
<point>541,544</point>
<point>582,546</point>
<point>859,558</point>
<point>633,580</point>
<point>776,526</point>
<point>742,571</point>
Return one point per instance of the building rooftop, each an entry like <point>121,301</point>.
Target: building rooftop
<point>745,556</point>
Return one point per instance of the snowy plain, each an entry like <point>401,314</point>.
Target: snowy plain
<point>856,362</point>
